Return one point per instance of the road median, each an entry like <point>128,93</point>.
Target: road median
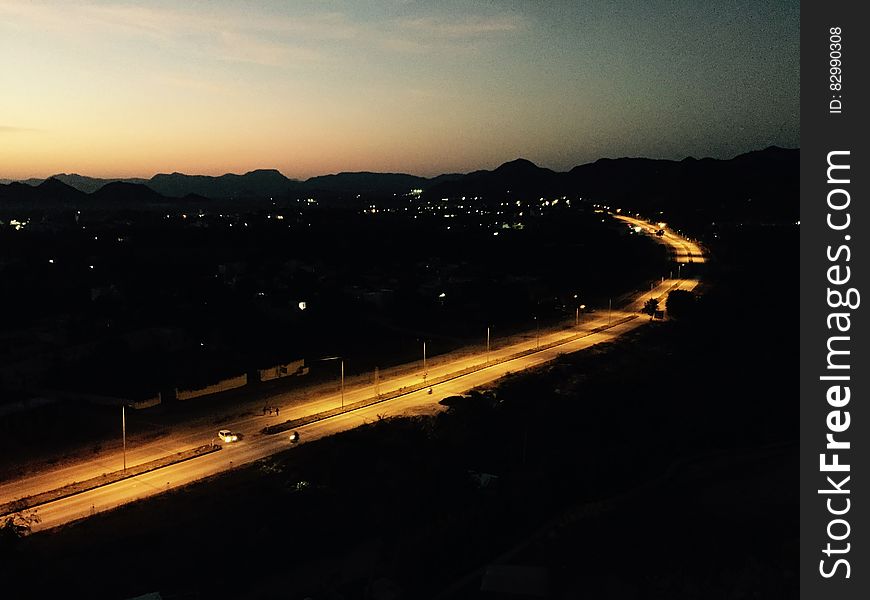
<point>402,391</point>
<point>78,487</point>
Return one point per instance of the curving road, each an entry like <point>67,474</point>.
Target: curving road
<point>255,445</point>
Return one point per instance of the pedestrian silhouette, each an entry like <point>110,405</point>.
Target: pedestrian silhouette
<point>276,411</point>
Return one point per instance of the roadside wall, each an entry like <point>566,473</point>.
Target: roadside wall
<point>221,386</point>
<point>296,367</point>
<point>146,402</point>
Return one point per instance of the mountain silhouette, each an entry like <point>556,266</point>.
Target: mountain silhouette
<point>764,183</point>
<point>260,183</point>
<point>365,182</point>
<point>125,194</point>
<point>55,190</point>
<point>518,176</point>
<point>89,185</point>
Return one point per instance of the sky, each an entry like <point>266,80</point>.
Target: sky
<point>131,89</point>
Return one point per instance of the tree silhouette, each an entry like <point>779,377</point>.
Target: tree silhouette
<point>650,306</point>
<point>15,526</point>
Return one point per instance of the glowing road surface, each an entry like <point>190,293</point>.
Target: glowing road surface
<point>255,445</point>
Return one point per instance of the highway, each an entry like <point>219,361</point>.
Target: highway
<point>255,445</point>
<point>685,251</point>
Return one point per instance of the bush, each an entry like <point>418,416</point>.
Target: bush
<point>680,304</point>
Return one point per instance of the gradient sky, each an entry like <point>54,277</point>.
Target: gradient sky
<point>118,89</point>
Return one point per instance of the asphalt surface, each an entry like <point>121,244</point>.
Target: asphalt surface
<point>254,445</point>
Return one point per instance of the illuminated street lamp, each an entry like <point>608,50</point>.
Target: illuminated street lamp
<point>577,314</point>
<point>579,308</point>
<point>537,334</point>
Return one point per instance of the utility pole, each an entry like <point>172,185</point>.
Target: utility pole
<point>424,361</point>
<point>124,433</point>
<point>340,358</point>
<point>377,383</point>
<point>487,344</point>
<point>609,309</point>
<point>537,334</point>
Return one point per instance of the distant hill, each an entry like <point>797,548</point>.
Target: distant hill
<point>261,183</point>
<point>763,183</point>
<point>90,184</point>
<point>53,189</point>
<point>33,181</point>
<point>54,194</point>
<point>48,194</point>
<point>517,176</point>
<point>365,182</point>
<point>125,194</point>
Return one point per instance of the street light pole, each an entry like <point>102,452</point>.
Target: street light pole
<point>124,433</point>
<point>487,344</point>
<point>339,358</point>
<point>537,334</point>
<point>424,361</point>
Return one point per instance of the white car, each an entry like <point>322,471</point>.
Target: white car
<point>227,436</point>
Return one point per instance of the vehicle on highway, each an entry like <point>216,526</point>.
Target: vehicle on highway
<point>294,437</point>
<point>227,436</point>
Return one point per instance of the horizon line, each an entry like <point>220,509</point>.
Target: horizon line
<point>519,158</point>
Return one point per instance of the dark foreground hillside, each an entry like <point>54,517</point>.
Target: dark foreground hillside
<point>662,465</point>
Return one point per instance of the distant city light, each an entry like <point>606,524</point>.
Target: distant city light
<point>303,305</point>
